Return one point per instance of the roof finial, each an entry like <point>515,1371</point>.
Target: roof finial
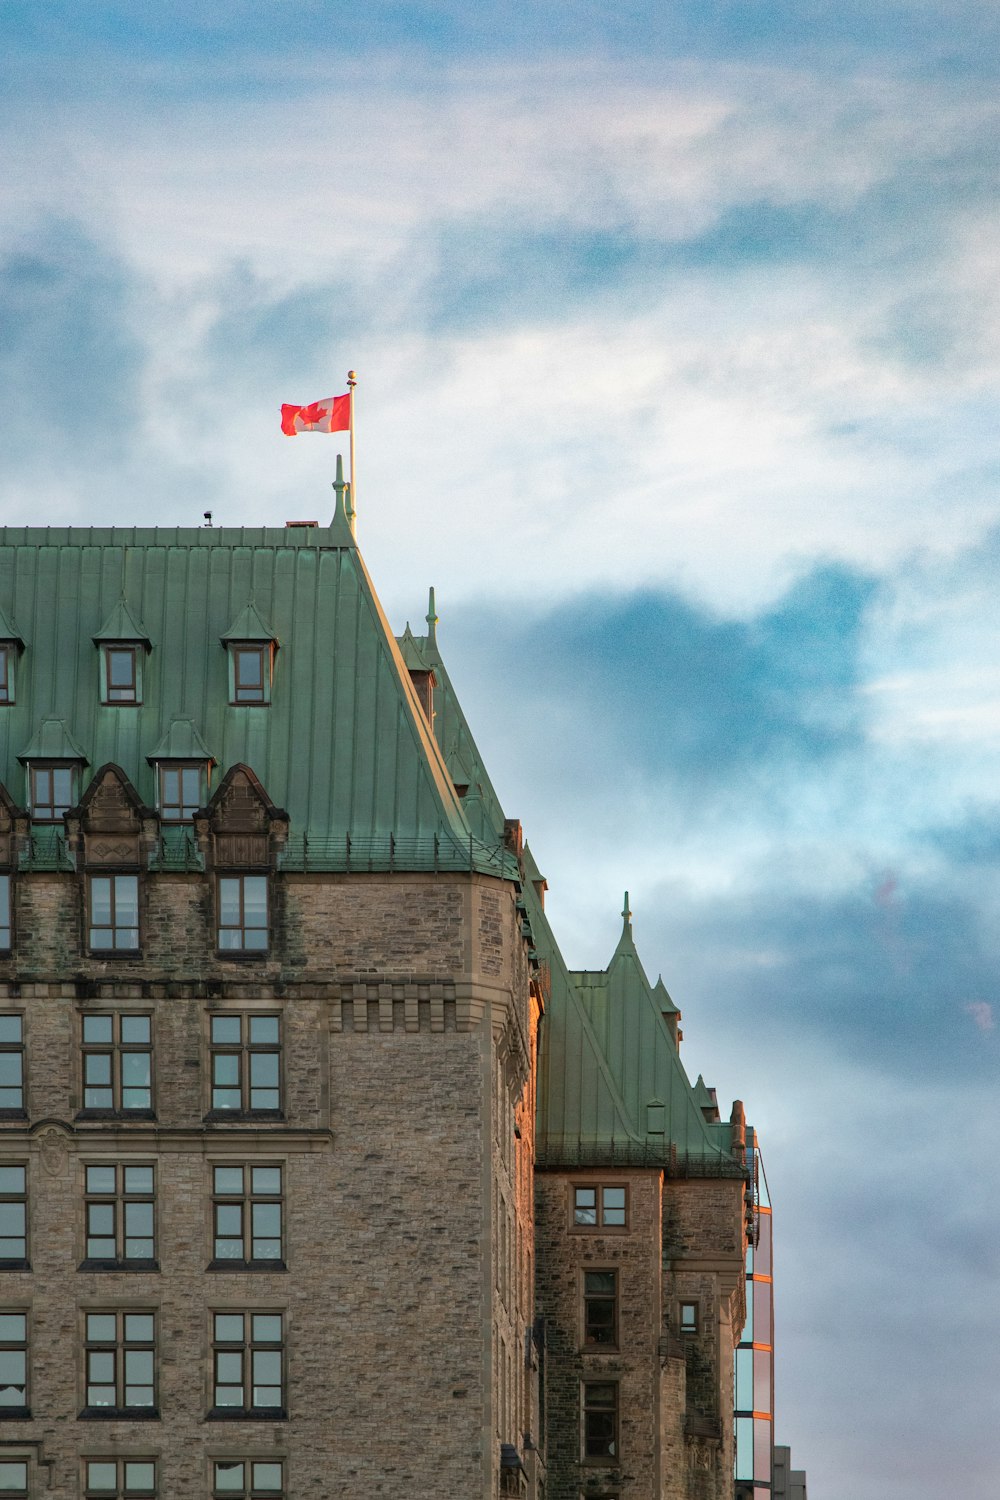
<point>339,486</point>
<point>626,915</point>
<point>432,619</point>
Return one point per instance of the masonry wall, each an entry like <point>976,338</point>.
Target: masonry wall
<point>565,1252</point>
<point>704,1249</point>
<point>400,998</point>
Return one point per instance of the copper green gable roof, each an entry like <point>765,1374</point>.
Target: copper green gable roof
<point>53,741</point>
<point>249,626</point>
<point>343,745</point>
<point>8,631</point>
<point>481,805</point>
<point>181,742</point>
<point>122,625</point>
<point>581,1115</point>
<point>615,1014</point>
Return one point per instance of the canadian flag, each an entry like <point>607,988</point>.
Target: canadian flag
<point>330,415</point>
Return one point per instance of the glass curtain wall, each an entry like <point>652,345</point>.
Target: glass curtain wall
<point>755,1353</point>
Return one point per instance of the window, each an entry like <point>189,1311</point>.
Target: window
<point>182,790</point>
<point>119,1477</point>
<point>600,1420</point>
<point>119,1208</point>
<point>250,673</point>
<point>243,913</point>
<point>6,672</point>
<point>53,792</point>
<point>689,1317</point>
<point>13,1476</point>
<point>13,1217</point>
<point>246,1478</point>
<point>120,677</point>
<point>117,1063</point>
<point>600,1308</point>
<point>13,1364</point>
<point>600,1206</point>
<point>246,1213</point>
<point>247,1363</point>
<point>120,1356</point>
<point>11,1064</point>
<point>246,1063</point>
<point>113,913</point>
<point>5,913</point>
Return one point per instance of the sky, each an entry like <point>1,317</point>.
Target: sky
<point>676,331</point>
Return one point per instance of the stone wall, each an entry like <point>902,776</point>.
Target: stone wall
<point>565,1252</point>
<point>393,1035</point>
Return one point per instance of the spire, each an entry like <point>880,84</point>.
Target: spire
<point>343,511</point>
<point>432,619</point>
<point>626,918</point>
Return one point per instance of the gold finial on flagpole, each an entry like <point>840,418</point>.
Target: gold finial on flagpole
<point>352,381</point>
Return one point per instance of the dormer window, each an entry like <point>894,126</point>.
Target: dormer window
<point>53,791</point>
<point>52,761</point>
<point>250,645</point>
<point>182,790</point>
<point>6,672</point>
<point>11,645</point>
<point>183,764</point>
<point>120,676</point>
<point>250,672</point>
<point>122,642</point>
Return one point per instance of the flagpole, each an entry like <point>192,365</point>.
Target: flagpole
<point>351,383</point>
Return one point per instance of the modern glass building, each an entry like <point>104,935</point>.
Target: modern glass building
<point>755,1354</point>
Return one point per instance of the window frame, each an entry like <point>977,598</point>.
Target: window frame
<point>120,1348</point>
<point>175,812</point>
<point>692,1327</point>
<point>242,950</point>
<point>246,1199</point>
<point>8,678</point>
<point>135,651</point>
<point>599,1187</point>
<point>117,1049</point>
<point>246,1349</point>
<point>122,1490</point>
<point>590,1408</point>
<point>11,1460</point>
<point>247,1488</point>
<point>6,911</point>
<point>10,1047</point>
<point>264,653</point>
<point>114,950</point>
<point>17,1196</point>
<point>590,1344</point>
<point>20,1345</point>
<point>245,1050</point>
<point>119,1198</point>
<point>52,811</point>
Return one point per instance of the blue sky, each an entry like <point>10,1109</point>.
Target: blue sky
<point>677,331</point>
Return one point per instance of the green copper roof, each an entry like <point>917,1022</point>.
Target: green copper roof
<point>53,741</point>
<point>343,745</point>
<point>122,625</point>
<point>481,805</point>
<point>8,631</point>
<point>249,626</point>
<point>612,1086</point>
<point>181,742</point>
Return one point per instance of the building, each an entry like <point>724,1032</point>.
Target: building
<point>282,1029</point>
<point>789,1483</point>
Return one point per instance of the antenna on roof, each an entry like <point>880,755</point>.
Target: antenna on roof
<point>208,517</point>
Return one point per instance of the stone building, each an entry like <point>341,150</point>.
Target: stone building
<point>282,1028</point>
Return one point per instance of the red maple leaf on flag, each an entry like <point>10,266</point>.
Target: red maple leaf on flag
<point>310,416</point>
